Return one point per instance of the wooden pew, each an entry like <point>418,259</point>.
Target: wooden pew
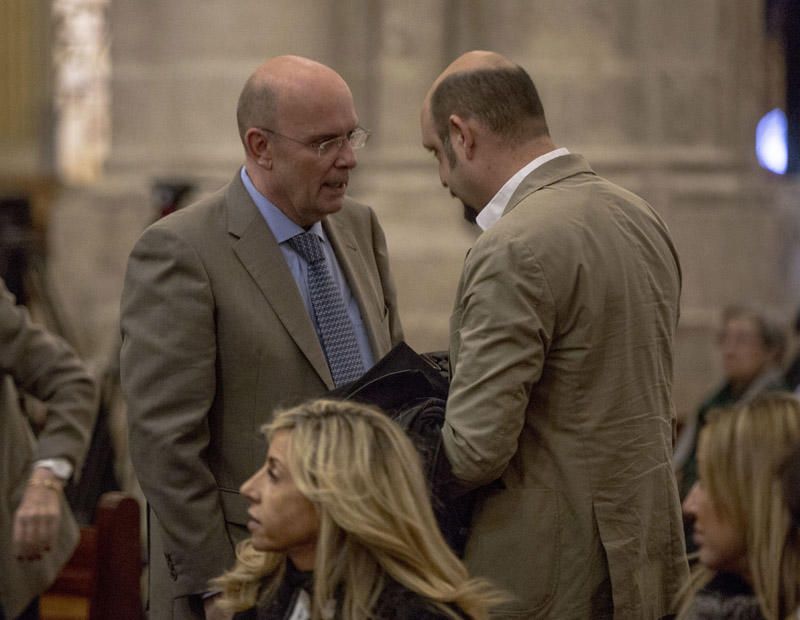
<point>102,580</point>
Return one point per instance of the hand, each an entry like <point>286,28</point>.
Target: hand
<point>38,517</point>
<point>213,612</point>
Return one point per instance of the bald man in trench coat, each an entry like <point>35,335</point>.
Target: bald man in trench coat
<point>560,408</point>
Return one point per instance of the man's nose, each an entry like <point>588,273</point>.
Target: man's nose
<point>346,157</point>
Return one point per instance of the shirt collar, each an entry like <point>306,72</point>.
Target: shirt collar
<point>281,226</point>
<point>493,211</point>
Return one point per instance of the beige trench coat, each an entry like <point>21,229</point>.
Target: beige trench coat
<point>561,347</point>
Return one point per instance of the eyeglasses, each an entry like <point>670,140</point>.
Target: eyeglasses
<point>357,138</point>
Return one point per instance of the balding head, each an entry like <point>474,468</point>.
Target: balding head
<point>281,84</point>
<point>490,88</point>
<point>474,61</point>
<point>288,108</point>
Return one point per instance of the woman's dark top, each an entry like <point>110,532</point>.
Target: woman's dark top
<point>726,596</point>
<point>394,603</point>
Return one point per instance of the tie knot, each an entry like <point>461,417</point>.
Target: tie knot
<point>308,246</point>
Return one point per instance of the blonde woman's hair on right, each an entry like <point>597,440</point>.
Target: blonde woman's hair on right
<point>743,449</point>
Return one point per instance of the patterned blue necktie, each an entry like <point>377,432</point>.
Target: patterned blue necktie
<point>336,329</point>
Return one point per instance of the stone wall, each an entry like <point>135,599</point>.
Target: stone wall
<point>662,96</point>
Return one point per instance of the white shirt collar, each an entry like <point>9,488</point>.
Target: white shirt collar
<point>493,211</point>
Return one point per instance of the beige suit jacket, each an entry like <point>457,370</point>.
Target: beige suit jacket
<point>35,362</point>
<point>215,337</point>
<point>561,348</point>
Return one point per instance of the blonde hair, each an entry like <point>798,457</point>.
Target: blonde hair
<point>365,478</point>
<point>742,451</point>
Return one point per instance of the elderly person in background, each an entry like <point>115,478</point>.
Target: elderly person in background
<point>752,346</point>
<point>37,529</point>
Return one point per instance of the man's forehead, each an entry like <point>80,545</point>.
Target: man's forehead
<point>332,113</point>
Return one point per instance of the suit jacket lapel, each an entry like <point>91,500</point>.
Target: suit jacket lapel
<point>355,270</point>
<point>261,256</point>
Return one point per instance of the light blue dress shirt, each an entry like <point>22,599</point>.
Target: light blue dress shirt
<point>284,229</point>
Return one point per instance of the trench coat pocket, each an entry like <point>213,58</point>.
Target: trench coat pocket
<point>515,543</point>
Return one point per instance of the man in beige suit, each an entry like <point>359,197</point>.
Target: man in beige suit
<point>561,355</point>
<point>38,531</point>
<point>222,320</point>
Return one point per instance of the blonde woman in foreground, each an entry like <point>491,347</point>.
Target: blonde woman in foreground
<point>748,547</point>
<point>341,527</point>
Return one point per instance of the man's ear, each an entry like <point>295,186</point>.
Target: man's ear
<point>462,135</point>
<point>259,147</point>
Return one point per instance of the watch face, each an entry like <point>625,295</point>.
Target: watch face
<point>62,470</point>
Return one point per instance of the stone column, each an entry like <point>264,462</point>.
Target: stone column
<point>427,237</point>
<point>662,96</point>
<point>178,68</point>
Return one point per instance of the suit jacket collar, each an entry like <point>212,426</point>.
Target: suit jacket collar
<point>261,256</point>
<point>548,173</point>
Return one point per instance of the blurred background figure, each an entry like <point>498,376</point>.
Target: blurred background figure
<point>792,376</point>
<point>749,551</point>
<point>341,527</point>
<point>36,525</point>
<point>790,477</point>
<point>752,347</point>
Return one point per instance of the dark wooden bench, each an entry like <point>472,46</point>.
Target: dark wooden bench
<point>102,580</point>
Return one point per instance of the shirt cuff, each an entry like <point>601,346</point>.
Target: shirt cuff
<point>60,467</point>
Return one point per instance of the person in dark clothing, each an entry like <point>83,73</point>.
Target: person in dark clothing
<point>749,551</point>
<point>792,375</point>
<point>752,346</point>
<point>790,478</point>
<point>342,527</point>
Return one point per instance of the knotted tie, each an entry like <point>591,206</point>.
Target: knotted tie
<point>336,329</point>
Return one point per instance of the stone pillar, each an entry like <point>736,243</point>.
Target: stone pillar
<point>178,68</point>
<point>423,224</point>
<point>662,96</point>
<point>25,116</point>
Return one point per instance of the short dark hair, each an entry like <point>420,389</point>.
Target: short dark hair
<point>505,100</point>
<point>257,106</point>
